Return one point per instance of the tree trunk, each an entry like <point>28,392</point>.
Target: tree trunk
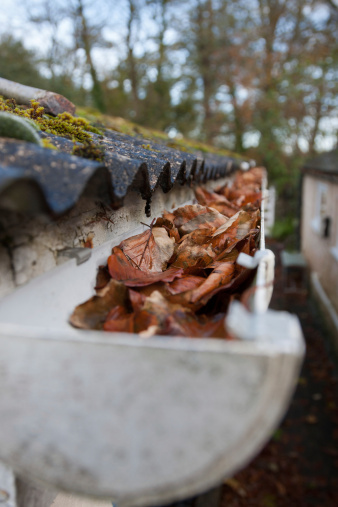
<point>97,92</point>
<point>132,69</point>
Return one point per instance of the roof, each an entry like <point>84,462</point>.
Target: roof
<point>130,162</point>
<point>325,164</point>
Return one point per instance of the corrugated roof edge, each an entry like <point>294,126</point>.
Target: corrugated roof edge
<point>58,179</point>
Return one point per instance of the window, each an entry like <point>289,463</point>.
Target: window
<point>320,208</point>
<point>334,249</point>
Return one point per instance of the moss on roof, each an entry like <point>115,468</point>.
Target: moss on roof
<point>79,128</point>
<point>64,124</point>
<point>132,129</point>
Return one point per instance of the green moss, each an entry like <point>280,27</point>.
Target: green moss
<point>89,150</point>
<point>79,128</point>
<point>148,147</point>
<point>47,144</point>
<point>132,129</point>
<point>64,124</point>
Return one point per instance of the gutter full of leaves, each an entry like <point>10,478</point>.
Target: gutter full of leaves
<point>179,276</point>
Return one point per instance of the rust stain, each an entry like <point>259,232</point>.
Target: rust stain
<point>88,243</point>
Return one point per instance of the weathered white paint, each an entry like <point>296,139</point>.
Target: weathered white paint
<point>7,487</point>
<point>64,500</point>
<point>140,421</point>
<point>316,249</point>
<point>35,243</point>
<point>178,414</point>
<point>325,301</point>
<point>269,207</point>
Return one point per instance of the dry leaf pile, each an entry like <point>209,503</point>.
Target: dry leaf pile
<point>178,277</point>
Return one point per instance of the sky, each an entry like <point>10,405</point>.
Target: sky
<point>34,36</point>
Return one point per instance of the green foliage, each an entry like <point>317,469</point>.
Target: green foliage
<point>277,435</point>
<point>155,109</point>
<point>19,64</point>
<point>284,228</point>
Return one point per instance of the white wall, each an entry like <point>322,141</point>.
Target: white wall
<point>321,253</point>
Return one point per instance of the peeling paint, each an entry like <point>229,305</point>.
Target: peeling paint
<point>35,242</point>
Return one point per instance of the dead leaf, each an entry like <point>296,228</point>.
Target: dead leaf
<point>236,486</point>
<point>236,228</point>
<point>123,324</point>
<point>185,283</point>
<point>191,217</point>
<point>216,201</point>
<point>102,277</point>
<point>220,276</point>
<point>231,253</point>
<point>121,269</point>
<point>142,251</point>
<point>169,226</point>
<point>165,245</point>
<point>178,277</point>
<point>165,318</point>
<point>224,209</point>
<point>92,314</point>
<point>137,299</point>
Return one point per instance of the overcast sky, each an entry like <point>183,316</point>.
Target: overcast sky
<point>14,12</point>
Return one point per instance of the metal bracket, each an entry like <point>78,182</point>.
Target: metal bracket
<point>265,260</point>
<point>7,487</point>
<point>80,254</point>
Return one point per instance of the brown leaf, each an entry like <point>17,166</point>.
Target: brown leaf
<point>121,269</point>
<point>146,320</point>
<point>216,201</point>
<point>194,249</point>
<point>219,277</point>
<point>191,217</point>
<point>203,241</point>
<point>231,253</point>
<point>236,246</point>
<point>224,209</point>
<point>117,312</point>
<point>237,285</point>
<point>159,316</point>
<point>102,277</point>
<point>194,256</point>
<point>123,323</point>
<point>182,323</point>
<point>165,245</point>
<point>185,283</point>
<point>143,252</point>
<point>119,320</point>
<point>236,228</point>
<point>169,227</point>
<point>241,198</point>
<point>239,225</point>
<point>137,299</point>
<point>93,313</point>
